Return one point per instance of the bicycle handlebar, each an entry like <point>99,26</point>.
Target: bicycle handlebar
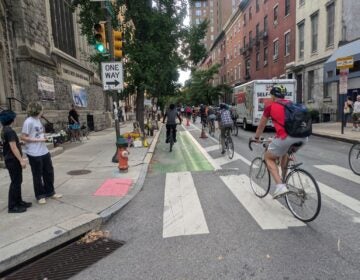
<point>260,141</point>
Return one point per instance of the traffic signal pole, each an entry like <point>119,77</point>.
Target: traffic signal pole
<point>110,39</point>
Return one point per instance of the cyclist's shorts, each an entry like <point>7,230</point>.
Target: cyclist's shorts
<point>75,126</point>
<point>279,147</point>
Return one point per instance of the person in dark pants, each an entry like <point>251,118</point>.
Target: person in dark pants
<point>13,162</point>
<point>171,115</point>
<point>38,154</point>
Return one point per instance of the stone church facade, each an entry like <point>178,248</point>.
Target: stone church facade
<point>43,57</point>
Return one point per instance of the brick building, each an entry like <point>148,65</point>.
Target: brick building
<point>259,42</point>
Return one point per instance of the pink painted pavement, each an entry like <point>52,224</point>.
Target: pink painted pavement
<point>114,187</point>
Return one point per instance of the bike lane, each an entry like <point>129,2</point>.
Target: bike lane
<point>184,157</point>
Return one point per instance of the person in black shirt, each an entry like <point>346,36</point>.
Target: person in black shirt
<point>74,123</point>
<point>13,162</point>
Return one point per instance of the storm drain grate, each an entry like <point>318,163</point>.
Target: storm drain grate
<point>79,172</point>
<point>68,261</point>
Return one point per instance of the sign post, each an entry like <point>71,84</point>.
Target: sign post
<point>343,64</point>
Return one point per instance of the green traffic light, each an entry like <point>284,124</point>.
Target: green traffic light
<point>100,47</point>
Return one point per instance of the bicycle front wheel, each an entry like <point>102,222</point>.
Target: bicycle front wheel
<point>259,177</point>
<point>229,147</point>
<point>354,158</point>
<point>303,198</point>
<point>235,130</point>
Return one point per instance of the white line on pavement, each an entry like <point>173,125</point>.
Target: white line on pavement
<point>183,214</point>
<point>340,171</point>
<point>267,212</point>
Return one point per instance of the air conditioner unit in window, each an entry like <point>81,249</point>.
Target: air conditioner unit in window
<point>275,56</point>
<point>265,62</point>
<point>265,35</point>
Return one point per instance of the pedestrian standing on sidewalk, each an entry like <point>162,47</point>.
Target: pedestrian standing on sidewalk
<point>13,161</point>
<point>348,109</point>
<point>74,124</point>
<point>39,157</point>
<point>356,114</point>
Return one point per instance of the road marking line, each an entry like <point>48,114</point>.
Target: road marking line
<point>340,171</point>
<point>267,212</point>
<point>212,148</point>
<point>183,214</point>
<point>225,159</point>
<point>206,155</point>
<point>340,197</point>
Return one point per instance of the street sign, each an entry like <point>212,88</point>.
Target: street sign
<point>343,81</point>
<point>112,75</point>
<point>345,62</point>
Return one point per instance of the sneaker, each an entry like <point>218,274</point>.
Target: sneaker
<point>25,204</point>
<point>17,209</point>
<point>280,190</point>
<point>223,152</point>
<point>42,201</point>
<point>56,196</point>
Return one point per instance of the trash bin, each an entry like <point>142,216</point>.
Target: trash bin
<point>90,122</point>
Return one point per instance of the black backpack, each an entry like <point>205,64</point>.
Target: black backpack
<point>297,120</point>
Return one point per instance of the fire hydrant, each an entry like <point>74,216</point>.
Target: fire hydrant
<point>122,154</point>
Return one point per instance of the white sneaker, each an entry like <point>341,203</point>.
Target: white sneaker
<point>57,195</point>
<point>280,190</point>
<point>42,201</point>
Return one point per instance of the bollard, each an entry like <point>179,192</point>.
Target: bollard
<point>122,154</point>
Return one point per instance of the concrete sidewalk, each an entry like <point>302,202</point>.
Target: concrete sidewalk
<point>332,130</point>
<point>42,227</point>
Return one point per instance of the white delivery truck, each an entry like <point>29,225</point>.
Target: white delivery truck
<point>251,98</point>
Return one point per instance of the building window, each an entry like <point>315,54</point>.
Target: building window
<point>276,49</point>
<point>250,14</point>
<point>301,2</point>
<point>244,20</point>
<point>287,7</point>
<point>301,40</point>
<point>287,44</point>
<point>244,41</point>
<point>276,10</point>
<point>198,13</point>
<point>197,21</point>
<point>197,4</point>
<point>247,69</point>
<point>257,61</point>
<point>265,56</point>
<point>62,26</point>
<point>265,23</point>
<point>314,32</point>
<point>250,37</point>
<point>257,6</point>
<point>330,24</point>
<point>257,31</point>
<point>311,77</point>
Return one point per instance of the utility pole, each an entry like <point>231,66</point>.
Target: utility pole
<point>110,39</point>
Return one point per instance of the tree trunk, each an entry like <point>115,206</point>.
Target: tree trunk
<point>140,108</point>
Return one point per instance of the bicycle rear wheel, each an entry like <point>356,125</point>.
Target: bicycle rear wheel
<point>229,144</point>
<point>354,158</point>
<point>235,129</point>
<point>171,139</point>
<point>259,177</point>
<point>303,198</point>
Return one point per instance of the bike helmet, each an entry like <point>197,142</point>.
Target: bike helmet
<point>7,117</point>
<point>278,91</point>
<point>223,106</point>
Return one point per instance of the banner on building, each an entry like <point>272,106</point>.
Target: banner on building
<point>46,88</point>
<point>79,95</point>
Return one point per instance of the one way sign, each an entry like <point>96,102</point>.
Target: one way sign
<point>112,75</point>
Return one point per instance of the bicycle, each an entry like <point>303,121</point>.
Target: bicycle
<point>171,138</point>
<point>354,158</point>
<point>229,144</point>
<point>304,193</point>
<point>235,128</point>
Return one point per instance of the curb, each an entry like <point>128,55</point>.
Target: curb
<point>112,210</point>
<point>334,137</point>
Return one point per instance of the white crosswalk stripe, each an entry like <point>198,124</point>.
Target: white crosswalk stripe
<point>183,214</point>
<point>267,212</point>
<point>340,171</point>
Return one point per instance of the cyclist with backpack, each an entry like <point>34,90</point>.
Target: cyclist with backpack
<point>292,125</point>
<point>225,123</point>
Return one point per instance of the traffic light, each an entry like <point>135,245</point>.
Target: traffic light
<point>100,37</point>
<point>118,44</point>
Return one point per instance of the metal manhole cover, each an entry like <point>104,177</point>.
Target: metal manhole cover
<point>68,261</point>
<point>79,172</point>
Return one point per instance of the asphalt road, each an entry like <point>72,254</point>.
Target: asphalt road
<point>220,236</point>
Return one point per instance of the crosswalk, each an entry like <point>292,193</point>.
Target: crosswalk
<point>184,215</point>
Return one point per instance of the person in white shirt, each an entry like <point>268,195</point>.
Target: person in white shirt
<point>38,154</point>
<point>356,114</point>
